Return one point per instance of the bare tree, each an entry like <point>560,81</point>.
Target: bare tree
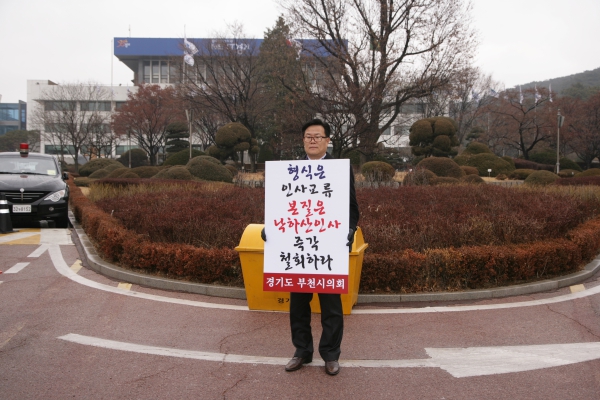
<point>146,115</point>
<point>582,133</point>
<point>226,81</point>
<point>372,56</point>
<point>71,114</point>
<point>521,121</point>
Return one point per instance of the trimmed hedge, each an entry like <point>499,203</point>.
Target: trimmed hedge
<point>485,161</point>
<point>99,174</point>
<point>444,180</point>
<point>442,167</point>
<point>541,178</point>
<point>182,157</point>
<point>469,170</point>
<point>403,271</point>
<point>178,172</point>
<point>135,251</point>
<point>473,178</point>
<point>146,171</point>
<point>520,174</point>
<point>117,173</point>
<point>419,177</point>
<point>587,173</point>
<point>209,169</point>
<point>94,165</point>
<point>377,171</point>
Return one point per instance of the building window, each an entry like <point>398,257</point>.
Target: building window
<point>95,106</point>
<point>156,71</point>
<point>121,149</point>
<point>119,105</point>
<point>55,149</point>
<point>5,129</point>
<point>146,71</point>
<point>60,105</point>
<point>8,113</point>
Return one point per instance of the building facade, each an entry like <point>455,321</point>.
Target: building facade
<point>13,116</point>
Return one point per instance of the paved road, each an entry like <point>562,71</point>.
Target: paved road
<point>66,331</point>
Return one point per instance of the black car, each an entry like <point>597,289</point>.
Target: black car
<point>35,189</point>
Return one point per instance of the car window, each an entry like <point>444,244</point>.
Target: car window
<point>18,165</point>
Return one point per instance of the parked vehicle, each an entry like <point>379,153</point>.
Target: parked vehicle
<point>35,189</point>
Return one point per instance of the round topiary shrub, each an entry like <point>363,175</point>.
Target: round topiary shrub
<point>485,161</point>
<point>442,167</point>
<point>112,167</point>
<point>117,173</point>
<point>94,165</point>
<point>476,148</point>
<point>138,158</point>
<point>419,177</point>
<point>541,178</point>
<point>99,174</point>
<point>83,181</point>
<point>203,158</point>
<point>501,177</point>
<point>444,180</point>
<point>129,175</point>
<point>469,170</point>
<point>472,179</point>
<point>566,163</point>
<point>509,160</point>
<point>567,173</point>
<point>177,172</point>
<point>520,174</point>
<point>232,169</point>
<point>182,157</point>
<point>377,171</point>
<point>146,172</point>
<point>203,168</point>
<point>589,172</point>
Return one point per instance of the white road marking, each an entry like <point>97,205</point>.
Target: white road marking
<point>39,251</point>
<point>56,236</point>
<point>63,269</point>
<point>16,268</point>
<point>458,362</point>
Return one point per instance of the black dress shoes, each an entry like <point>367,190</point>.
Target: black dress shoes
<point>296,363</point>
<point>332,367</point>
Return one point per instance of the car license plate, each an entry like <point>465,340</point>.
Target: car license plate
<point>22,209</point>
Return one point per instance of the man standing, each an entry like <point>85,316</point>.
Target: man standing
<point>316,135</point>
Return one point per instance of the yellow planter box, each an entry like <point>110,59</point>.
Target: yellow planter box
<point>251,249</point>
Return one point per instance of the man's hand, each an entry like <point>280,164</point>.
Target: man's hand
<point>263,235</point>
<point>350,238</point>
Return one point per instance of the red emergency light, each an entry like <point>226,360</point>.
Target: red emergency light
<point>24,150</point>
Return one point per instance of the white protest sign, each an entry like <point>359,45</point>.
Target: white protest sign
<point>307,207</point>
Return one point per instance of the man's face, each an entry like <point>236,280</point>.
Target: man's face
<point>315,142</point>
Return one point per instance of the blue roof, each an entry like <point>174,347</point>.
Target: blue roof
<point>167,47</point>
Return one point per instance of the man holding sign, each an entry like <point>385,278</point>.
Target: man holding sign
<point>311,214</point>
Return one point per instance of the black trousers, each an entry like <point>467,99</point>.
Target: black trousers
<point>332,322</point>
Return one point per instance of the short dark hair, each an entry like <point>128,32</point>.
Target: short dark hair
<point>317,121</point>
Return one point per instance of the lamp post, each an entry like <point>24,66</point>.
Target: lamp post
<point>489,172</point>
<point>561,120</point>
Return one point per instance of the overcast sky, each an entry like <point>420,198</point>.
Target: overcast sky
<point>71,40</point>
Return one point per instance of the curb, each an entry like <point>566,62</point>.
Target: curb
<point>97,264</point>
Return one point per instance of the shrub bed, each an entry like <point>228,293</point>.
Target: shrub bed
<point>420,238</point>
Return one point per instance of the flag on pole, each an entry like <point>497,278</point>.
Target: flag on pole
<point>189,60</point>
<point>493,93</point>
<point>189,51</point>
<point>520,96</point>
<point>537,95</point>
<point>550,93</point>
<point>190,47</point>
